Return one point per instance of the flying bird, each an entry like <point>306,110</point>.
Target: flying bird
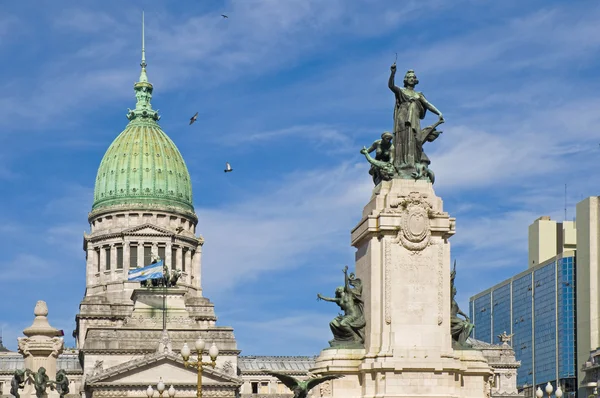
<point>179,230</point>
<point>227,167</point>
<point>300,388</point>
<point>224,16</point>
<point>193,118</point>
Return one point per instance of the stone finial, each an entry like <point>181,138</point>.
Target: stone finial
<point>40,325</point>
<point>505,338</point>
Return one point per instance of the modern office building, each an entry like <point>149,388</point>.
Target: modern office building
<point>538,307</point>
<point>588,294</point>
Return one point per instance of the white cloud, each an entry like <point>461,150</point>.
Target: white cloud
<point>283,225</point>
<point>25,266</point>
<point>282,335</point>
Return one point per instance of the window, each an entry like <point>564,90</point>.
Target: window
<point>183,255</point>
<point>98,258</point>
<point>161,253</point>
<point>133,258</point>
<point>174,258</point>
<point>264,387</point>
<point>254,387</point>
<point>119,257</point>
<point>107,258</point>
<point>147,255</point>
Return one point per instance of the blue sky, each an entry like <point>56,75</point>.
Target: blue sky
<point>288,91</point>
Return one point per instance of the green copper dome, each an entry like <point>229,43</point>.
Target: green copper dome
<point>142,168</point>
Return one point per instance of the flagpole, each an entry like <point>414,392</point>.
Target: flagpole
<point>164,297</point>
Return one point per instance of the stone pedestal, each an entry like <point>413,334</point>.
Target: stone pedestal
<point>403,260</point>
<point>152,301</point>
<point>40,349</point>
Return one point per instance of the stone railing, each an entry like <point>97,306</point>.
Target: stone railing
<point>266,395</point>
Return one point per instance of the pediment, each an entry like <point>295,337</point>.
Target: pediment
<point>169,366</point>
<point>148,229</point>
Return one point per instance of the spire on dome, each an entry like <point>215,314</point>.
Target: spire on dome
<point>143,77</point>
<point>143,90</point>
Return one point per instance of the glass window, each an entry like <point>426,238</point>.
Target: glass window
<point>147,255</point>
<point>183,256</point>
<point>107,258</point>
<point>98,259</point>
<point>161,253</point>
<point>133,257</point>
<point>174,258</point>
<point>119,257</point>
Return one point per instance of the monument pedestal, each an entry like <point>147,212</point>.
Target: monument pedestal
<point>403,260</point>
<point>40,349</point>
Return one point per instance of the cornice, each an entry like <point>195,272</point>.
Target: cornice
<point>112,385</point>
<point>152,359</point>
<point>103,211</point>
<point>138,351</point>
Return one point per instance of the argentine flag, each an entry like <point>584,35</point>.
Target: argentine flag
<point>152,271</point>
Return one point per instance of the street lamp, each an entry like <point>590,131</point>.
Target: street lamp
<point>549,389</point>
<point>213,352</point>
<point>160,387</point>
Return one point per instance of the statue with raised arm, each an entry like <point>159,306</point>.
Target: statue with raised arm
<point>17,382</point>
<point>348,328</point>
<point>62,383</point>
<point>382,166</point>
<point>410,108</point>
<point>460,329</point>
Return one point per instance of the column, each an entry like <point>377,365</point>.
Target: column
<point>90,263</point>
<point>197,269</point>
<point>140,249</point>
<point>113,257</point>
<point>179,257</point>
<point>125,257</point>
<point>168,256</point>
<point>155,248</point>
<point>188,263</point>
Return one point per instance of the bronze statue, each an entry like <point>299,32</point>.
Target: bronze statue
<point>17,382</point>
<point>40,381</point>
<point>169,279</point>
<point>62,383</point>
<point>348,329</point>
<point>382,167</point>
<point>300,388</point>
<point>460,329</point>
<point>410,108</point>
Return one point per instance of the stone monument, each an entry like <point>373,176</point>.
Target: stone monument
<point>403,261</point>
<point>40,349</point>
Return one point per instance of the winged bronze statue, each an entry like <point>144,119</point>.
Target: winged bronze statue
<point>300,388</point>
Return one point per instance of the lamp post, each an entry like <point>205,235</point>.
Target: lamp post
<point>549,389</point>
<point>213,352</point>
<point>160,387</point>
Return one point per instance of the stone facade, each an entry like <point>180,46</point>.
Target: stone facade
<point>501,358</point>
<point>403,259</point>
<point>591,374</point>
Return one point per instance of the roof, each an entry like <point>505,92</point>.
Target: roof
<point>114,374</point>
<point>291,364</point>
<point>11,362</point>
<point>142,168</point>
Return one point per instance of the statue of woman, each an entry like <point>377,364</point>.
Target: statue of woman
<point>410,108</point>
<point>459,328</point>
<point>348,329</point>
